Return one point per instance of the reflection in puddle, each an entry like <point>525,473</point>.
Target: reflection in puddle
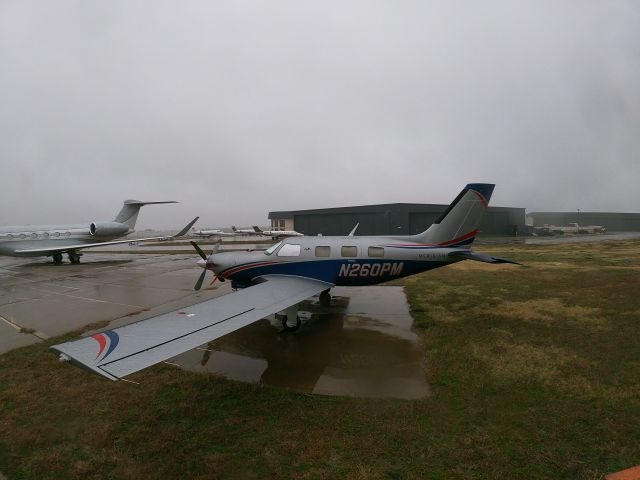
<point>361,345</point>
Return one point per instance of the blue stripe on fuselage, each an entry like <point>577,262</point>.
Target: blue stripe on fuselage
<point>342,272</point>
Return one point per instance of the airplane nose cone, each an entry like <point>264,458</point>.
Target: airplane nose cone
<point>202,263</point>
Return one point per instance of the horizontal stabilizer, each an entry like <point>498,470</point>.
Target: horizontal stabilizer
<point>479,257</point>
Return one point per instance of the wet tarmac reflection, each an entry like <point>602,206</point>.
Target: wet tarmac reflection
<point>361,344</point>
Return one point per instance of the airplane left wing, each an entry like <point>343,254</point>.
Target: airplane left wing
<point>82,246</point>
<point>122,351</point>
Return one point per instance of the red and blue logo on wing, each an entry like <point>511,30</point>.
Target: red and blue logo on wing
<point>107,341</point>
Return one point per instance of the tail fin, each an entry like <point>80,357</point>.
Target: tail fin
<point>458,225</point>
<point>129,212</point>
<point>233,227</point>
<point>257,229</point>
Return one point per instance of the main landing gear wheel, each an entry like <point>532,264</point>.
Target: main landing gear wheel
<point>74,257</point>
<point>325,297</point>
<point>57,258</point>
<point>287,328</point>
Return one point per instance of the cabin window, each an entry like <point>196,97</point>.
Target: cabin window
<point>9,236</point>
<point>34,235</point>
<point>272,248</point>
<point>57,234</point>
<point>348,251</point>
<point>289,250</point>
<point>45,235</point>
<point>67,234</point>
<point>323,251</point>
<point>23,236</point>
<point>376,252</point>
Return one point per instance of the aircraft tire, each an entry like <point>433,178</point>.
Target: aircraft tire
<point>288,328</point>
<point>57,258</point>
<point>325,298</point>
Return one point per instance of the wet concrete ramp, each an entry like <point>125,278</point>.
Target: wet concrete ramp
<point>361,344</point>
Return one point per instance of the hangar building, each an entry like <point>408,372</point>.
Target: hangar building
<point>388,219</point>
<point>613,222</point>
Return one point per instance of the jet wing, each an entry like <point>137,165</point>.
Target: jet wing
<point>122,351</point>
<point>82,246</point>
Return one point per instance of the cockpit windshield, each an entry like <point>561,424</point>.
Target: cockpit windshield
<point>272,248</point>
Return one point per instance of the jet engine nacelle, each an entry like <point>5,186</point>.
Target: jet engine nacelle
<point>108,229</point>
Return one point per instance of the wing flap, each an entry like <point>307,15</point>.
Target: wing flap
<point>125,350</point>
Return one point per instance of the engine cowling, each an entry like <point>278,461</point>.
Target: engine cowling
<point>107,229</point>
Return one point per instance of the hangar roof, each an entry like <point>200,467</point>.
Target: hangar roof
<point>384,207</point>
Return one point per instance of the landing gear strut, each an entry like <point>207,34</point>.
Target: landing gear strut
<point>285,324</point>
<point>325,297</point>
<point>57,258</point>
<point>286,315</point>
<point>74,257</point>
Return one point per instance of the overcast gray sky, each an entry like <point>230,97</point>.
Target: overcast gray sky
<point>236,108</point>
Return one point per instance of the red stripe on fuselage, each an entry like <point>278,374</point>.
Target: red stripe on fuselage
<point>460,239</point>
<point>234,270</point>
<point>443,244</point>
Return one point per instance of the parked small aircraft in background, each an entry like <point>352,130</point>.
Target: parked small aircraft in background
<point>212,233</point>
<point>243,231</point>
<point>277,280</point>
<point>54,240</point>
<point>277,233</point>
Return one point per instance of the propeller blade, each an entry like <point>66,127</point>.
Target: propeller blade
<point>200,280</point>
<point>199,250</point>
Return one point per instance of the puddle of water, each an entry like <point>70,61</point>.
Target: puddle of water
<point>359,345</point>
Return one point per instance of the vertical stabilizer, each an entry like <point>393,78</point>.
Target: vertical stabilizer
<point>458,225</point>
<point>129,212</point>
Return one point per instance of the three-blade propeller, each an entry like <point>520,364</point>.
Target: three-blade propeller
<point>206,263</point>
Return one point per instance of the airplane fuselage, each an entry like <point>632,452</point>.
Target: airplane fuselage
<point>342,261</point>
<point>15,238</point>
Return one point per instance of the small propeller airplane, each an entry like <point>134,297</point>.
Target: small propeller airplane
<point>55,240</point>
<point>276,280</point>
<point>277,233</point>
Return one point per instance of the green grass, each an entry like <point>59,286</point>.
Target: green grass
<point>534,372</point>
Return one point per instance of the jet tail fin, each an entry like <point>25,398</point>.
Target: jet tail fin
<point>257,229</point>
<point>129,212</point>
<point>458,225</point>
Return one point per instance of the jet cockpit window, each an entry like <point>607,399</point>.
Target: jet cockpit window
<point>289,250</point>
<point>376,252</point>
<point>323,251</point>
<point>349,251</point>
<point>272,248</point>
